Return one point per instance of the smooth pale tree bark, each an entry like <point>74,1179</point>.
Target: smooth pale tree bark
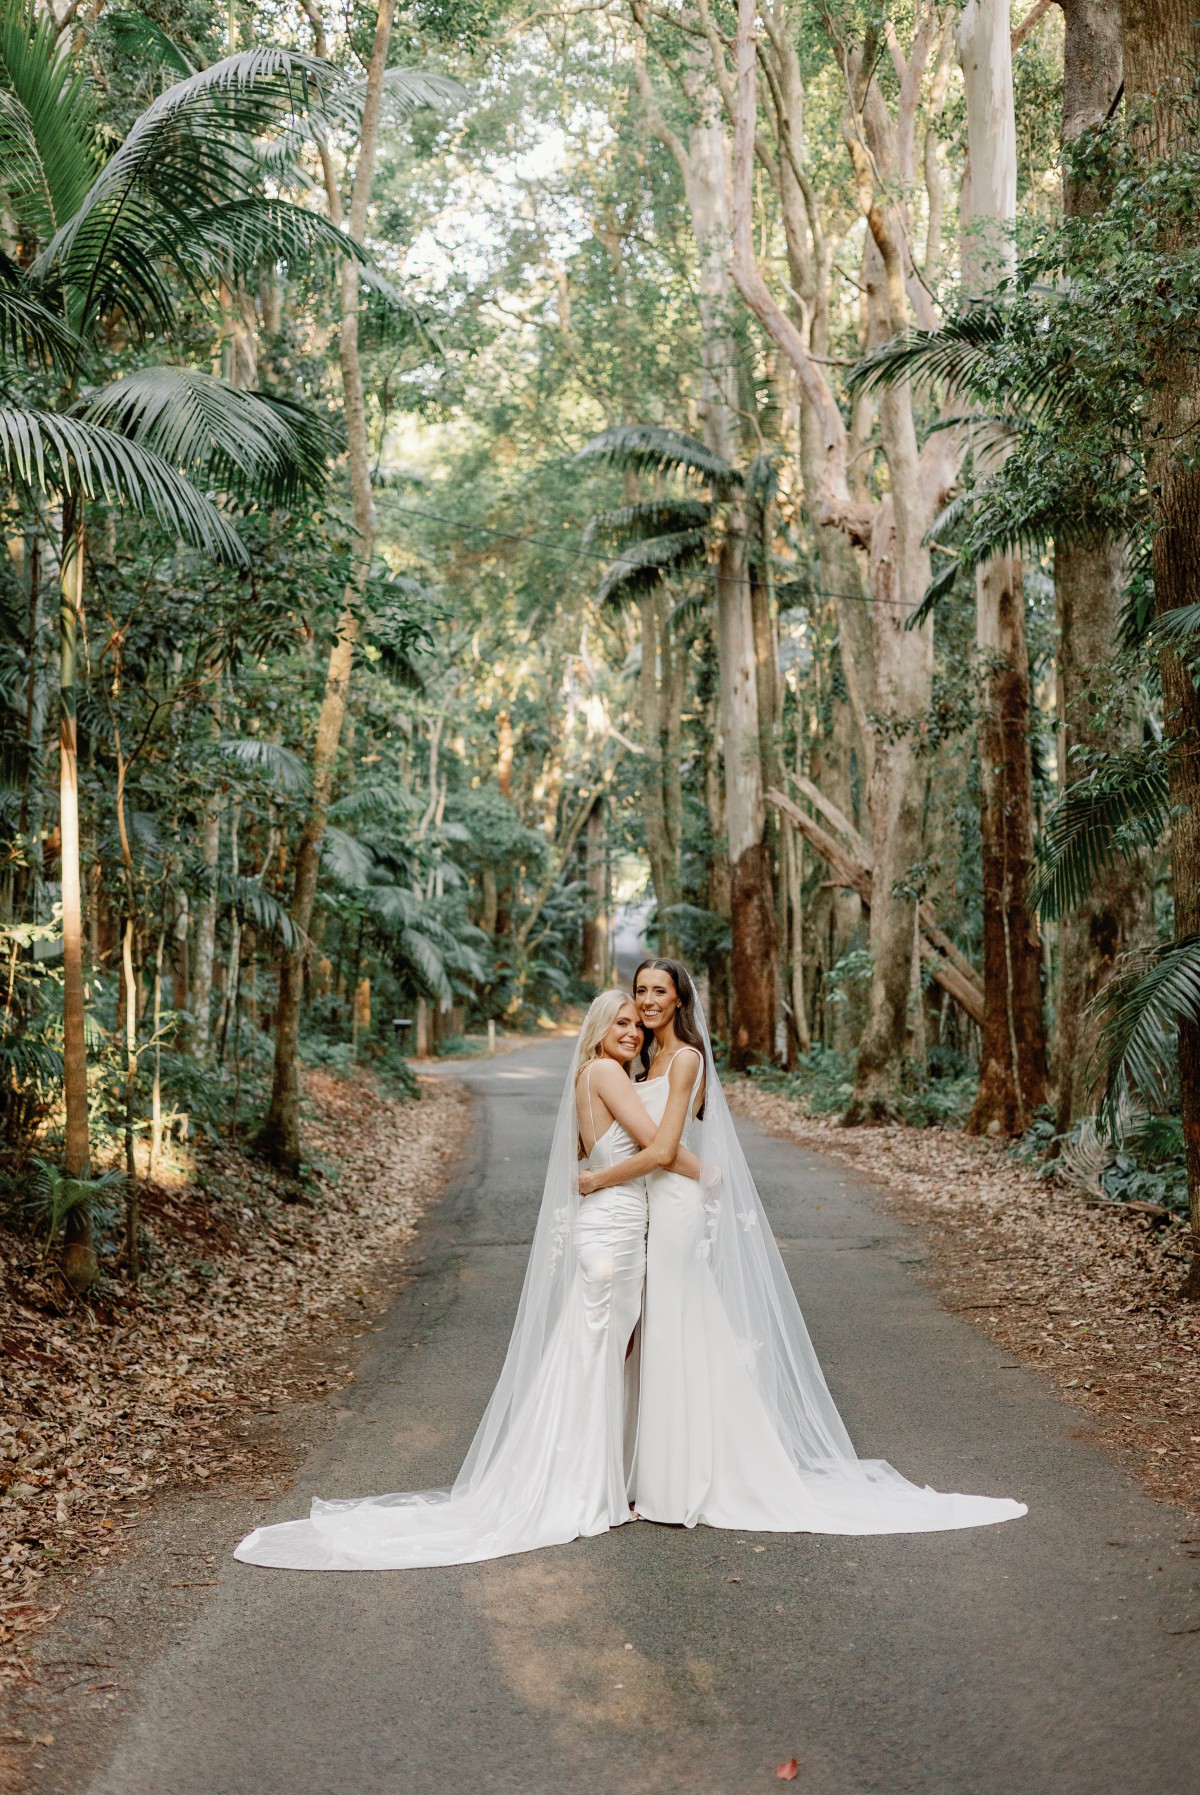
<point>1159,47</point>
<point>1089,580</point>
<point>594,946</point>
<point>279,1137</point>
<point>660,689</point>
<point>753,958</point>
<point>1012,1069</point>
<point>892,530</point>
<point>80,1265</point>
<point>204,958</point>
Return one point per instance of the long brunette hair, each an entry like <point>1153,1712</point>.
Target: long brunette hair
<point>684,1020</point>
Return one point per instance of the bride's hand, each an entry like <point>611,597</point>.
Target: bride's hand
<point>587,1183</point>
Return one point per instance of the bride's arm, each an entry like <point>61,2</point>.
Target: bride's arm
<point>660,1147</point>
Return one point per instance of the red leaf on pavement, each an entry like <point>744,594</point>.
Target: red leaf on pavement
<point>787,1773</point>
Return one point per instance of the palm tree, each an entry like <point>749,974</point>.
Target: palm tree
<point>117,244</point>
<point>677,536</point>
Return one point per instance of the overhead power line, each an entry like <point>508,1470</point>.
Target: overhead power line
<point>576,552</point>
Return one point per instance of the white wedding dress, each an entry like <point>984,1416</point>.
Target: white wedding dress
<point>561,1470</point>
<point>733,1424</point>
<point>709,1451</point>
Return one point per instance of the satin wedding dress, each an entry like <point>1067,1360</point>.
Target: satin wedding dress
<point>735,1425</point>
<point>562,1468</point>
<point>710,1449</point>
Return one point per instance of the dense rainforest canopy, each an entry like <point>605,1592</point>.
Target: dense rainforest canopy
<point>481,477</point>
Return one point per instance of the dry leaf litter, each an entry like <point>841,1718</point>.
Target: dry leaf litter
<point>105,1402</point>
<point>1087,1292</point>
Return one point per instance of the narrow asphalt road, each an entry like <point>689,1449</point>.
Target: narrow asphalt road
<point>1056,1655</point>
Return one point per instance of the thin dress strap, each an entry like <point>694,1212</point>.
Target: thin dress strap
<point>587,1079</point>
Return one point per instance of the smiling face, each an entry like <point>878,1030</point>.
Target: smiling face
<point>656,997</point>
<point>624,1038</point>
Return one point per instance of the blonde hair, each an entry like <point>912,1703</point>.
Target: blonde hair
<point>596,1024</point>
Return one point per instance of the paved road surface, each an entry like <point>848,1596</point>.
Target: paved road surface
<point>1046,1657</point>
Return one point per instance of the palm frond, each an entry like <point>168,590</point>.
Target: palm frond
<point>273,762</point>
<point>960,355</point>
<point>243,441</point>
<point>185,154</point>
<point>29,329</point>
<point>395,905</point>
<point>405,92</point>
<point>47,123</point>
<point>347,860</point>
<point>644,564</point>
<point>1136,1051</point>
<point>138,37</point>
<point>390,319</point>
<point>267,914</point>
<point>941,583</point>
<point>1178,629</point>
<point>652,448</point>
<point>1111,813</point>
<point>68,454</point>
<point>651,517</point>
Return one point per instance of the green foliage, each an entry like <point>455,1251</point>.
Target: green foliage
<point>54,1198</point>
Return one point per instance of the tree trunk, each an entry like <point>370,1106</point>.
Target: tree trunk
<point>279,1138</point>
<point>751,892</point>
<point>1012,1071</point>
<point>80,1265</point>
<point>1088,585</point>
<point>1012,1055</point>
<point>1159,51</point>
<point>662,852</point>
<point>206,918</point>
<point>594,947</point>
<point>904,676</point>
<point>751,889</point>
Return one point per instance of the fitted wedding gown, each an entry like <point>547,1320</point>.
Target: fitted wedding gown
<point>552,1456</point>
<point>737,1428</point>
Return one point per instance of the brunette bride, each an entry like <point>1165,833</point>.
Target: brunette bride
<point>552,1456</point>
<point>737,1427</point>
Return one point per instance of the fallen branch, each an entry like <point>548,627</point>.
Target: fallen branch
<point>950,967</point>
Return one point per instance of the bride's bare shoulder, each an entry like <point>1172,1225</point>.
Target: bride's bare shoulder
<point>683,1065</point>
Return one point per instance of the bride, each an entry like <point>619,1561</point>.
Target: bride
<point>727,1418</point>
<point>552,1457</point>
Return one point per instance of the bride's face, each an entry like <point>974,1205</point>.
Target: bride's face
<point>656,997</point>
<point>624,1038</point>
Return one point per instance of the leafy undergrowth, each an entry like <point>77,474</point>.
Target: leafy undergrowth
<point>1086,1290</point>
<point>822,1083</point>
<point>107,1401</point>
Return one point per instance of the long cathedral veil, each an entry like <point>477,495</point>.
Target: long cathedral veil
<point>508,1494</point>
<point>852,1495</point>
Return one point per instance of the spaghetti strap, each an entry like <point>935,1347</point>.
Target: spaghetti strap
<point>587,1079</point>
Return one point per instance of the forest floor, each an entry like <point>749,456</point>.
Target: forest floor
<point>254,1293</point>
<point>1086,1292</point>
